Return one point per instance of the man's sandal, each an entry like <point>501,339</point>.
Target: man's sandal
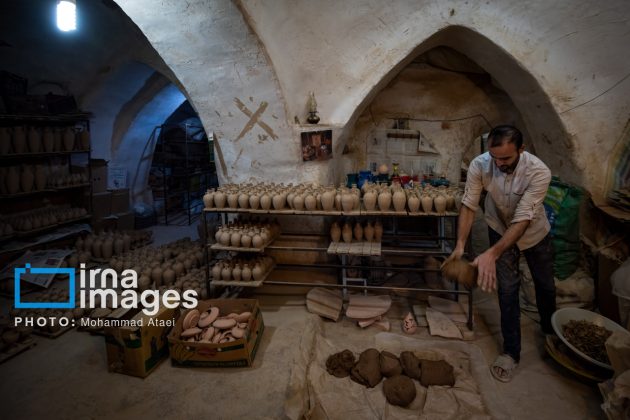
<point>503,368</point>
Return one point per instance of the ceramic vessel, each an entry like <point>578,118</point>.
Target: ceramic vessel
<point>265,201</point>
<point>27,179</point>
<point>208,199</point>
<point>34,140</point>
<point>310,202</point>
<point>40,177</point>
<point>18,140</point>
<point>254,201</point>
<point>328,200</point>
<point>257,272</point>
<point>298,202</point>
<point>368,232</point>
<point>369,200</point>
<point>384,200</point>
<point>399,199</point>
<point>219,199</point>
<point>440,204</point>
<point>358,231</point>
<point>107,248</point>
<point>378,231</point>
<point>413,202</point>
<point>335,232</point>
<point>232,200</point>
<point>84,139</point>
<point>246,273</point>
<point>427,203</point>
<point>68,139</point>
<point>347,201</point>
<point>243,201</point>
<point>5,140</point>
<point>346,233</point>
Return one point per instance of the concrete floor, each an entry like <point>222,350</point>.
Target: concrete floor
<point>67,378</point>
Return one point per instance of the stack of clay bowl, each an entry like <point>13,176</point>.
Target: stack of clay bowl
<point>241,269</point>
<point>210,327</point>
<point>41,218</point>
<point>370,232</point>
<point>246,235</point>
<point>10,335</point>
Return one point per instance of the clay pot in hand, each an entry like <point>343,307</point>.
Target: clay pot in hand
<point>335,232</point>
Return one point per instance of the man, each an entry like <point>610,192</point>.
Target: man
<point>516,183</point>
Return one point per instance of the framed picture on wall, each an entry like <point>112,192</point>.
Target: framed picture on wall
<point>316,145</point>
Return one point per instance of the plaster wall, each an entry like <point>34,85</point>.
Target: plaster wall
<point>563,63</point>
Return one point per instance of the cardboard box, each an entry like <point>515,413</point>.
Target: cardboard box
<point>239,353</point>
<point>126,221</point>
<point>137,350</point>
<point>120,201</point>
<point>101,205</point>
<point>99,175</point>
<point>117,177</point>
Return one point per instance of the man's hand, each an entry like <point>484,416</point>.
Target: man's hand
<point>486,264</point>
<point>456,255</point>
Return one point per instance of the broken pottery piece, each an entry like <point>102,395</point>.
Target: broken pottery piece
<point>191,319</point>
<point>325,303</point>
<point>409,325</point>
<point>382,325</point>
<point>453,310</point>
<point>365,307</point>
<point>440,325</point>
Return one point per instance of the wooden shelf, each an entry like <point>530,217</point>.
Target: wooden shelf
<point>44,191</point>
<point>240,283</point>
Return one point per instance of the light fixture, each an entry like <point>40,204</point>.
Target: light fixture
<point>67,15</point>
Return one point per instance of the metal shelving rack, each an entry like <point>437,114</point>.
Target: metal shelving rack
<point>187,170</point>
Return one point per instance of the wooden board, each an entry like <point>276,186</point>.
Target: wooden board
<point>363,307</point>
<point>16,349</point>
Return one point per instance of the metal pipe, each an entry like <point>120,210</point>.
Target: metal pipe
<point>349,286</point>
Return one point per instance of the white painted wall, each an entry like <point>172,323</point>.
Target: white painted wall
<point>563,63</point>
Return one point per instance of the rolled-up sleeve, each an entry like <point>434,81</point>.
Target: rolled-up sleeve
<point>533,196</point>
<point>474,186</point>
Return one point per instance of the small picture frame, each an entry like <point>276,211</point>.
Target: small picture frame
<point>316,145</point>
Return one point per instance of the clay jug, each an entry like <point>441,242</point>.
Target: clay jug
<point>338,201</point>
<point>217,235</point>
<point>107,248</point>
<point>18,140</point>
<point>216,271</point>
<point>440,204</point>
<point>278,201</point>
<point>246,273</point>
<point>290,198</point>
<point>40,177</point>
<point>243,200</point>
<point>235,238</point>
<point>414,203</point>
<point>265,201</point>
<point>368,232</point>
<point>68,139</point>
<point>168,276</point>
<point>335,232</point>
<point>384,200</point>
<point>257,272</point>
<point>450,201</point>
<point>257,241</point>
<point>179,268</point>
<point>13,180</point>
<point>347,201</point>
<point>48,140</point>
<point>246,240</point>
<point>399,200</point>
<point>232,200</point>
<point>358,232</point>
<point>27,180</point>
<point>254,201</point>
<point>427,203</point>
<point>298,202</point>
<point>119,245</point>
<point>237,272</point>
<point>79,244</point>
<point>328,200</point>
<point>219,199</point>
<point>97,248</point>
<point>369,200</point>
<point>225,238</point>
<point>34,140</point>
<point>310,202</point>
<point>84,139</point>
<point>226,272</point>
<point>378,231</point>
<point>5,141</point>
<point>208,199</point>
<point>356,198</point>
<point>346,233</point>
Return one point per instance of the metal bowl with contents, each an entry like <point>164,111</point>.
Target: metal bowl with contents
<point>563,317</point>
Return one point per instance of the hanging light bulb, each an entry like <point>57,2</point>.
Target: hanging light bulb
<point>67,15</point>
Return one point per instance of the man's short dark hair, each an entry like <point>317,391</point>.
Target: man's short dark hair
<point>505,133</point>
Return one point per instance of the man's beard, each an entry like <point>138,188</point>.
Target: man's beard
<point>509,169</point>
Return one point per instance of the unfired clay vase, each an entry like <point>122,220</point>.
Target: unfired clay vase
<point>358,231</point>
<point>310,203</point>
<point>235,239</point>
<point>18,140</point>
<point>34,140</point>
<point>369,200</point>
<point>265,201</point>
<point>384,200</point>
<point>254,201</point>
<point>335,232</point>
<point>107,248</point>
<point>232,200</point>
<point>427,203</point>
<point>246,240</point>
<point>68,139</point>
<point>347,201</point>
<point>368,232</point>
<point>119,246</point>
<point>208,199</point>
<point>413,202</point>
<point>246,273</point>
<point>236,272</point>
<point>298,202</point>
<point>216,271</point>
<point>378,231</point>
<point>328,200</point>
<point>243,201</point>
<point>257,272</point>
<point>399,200</point>
<point>48,140</point>
<point>346,233</point>
<point>440,204</point>
<point>40,177</point>
<point>219,199</point>
<point>278,201</point>
<point>27,179</point>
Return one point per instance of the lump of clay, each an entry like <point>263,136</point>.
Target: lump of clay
<point>367,371</point>
<point>399,390</point>
<point>340,364</point>
<point>410,365</point>
<point>461,271</point>
<point>390,365</point>
<point>437,372</point>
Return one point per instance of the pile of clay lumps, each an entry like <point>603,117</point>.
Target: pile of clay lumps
<point>399,372</point>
